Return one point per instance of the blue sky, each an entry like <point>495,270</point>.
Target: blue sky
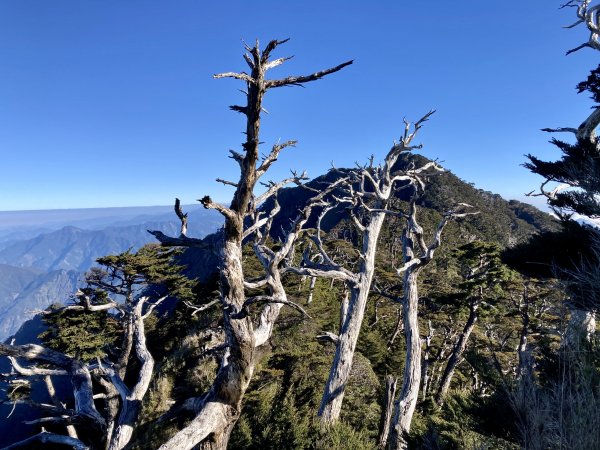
<point>112,103</point>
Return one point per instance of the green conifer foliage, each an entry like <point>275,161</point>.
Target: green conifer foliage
<point>579,166</point>
<point>86,334</point>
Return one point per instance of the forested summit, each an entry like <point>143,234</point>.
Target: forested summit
<point>506,222</point>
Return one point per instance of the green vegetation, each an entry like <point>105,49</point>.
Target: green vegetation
<point>505,313</point>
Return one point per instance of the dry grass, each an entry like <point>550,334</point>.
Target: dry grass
<point>563,414</point>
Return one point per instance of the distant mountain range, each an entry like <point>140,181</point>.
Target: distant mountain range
<point>41,264</point>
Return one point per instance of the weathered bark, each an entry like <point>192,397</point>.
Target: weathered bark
<point>221,406</point>
<point>524,359</point>
<point>81,379</point>
<point>331,402</point>
<point>48,438</point>
<point>457,352</point>
<point>126,346</point>
<point>213,418</point>
<point>388,410</point>
<point>580,328</point>
<point>71,431</point>
<point>218,441</point>
<point>377,185</point>
<point>131,399</point>
<point>416,255</point>
<point>112,405</point>
<point>404,407</point>
<point>427,360</point>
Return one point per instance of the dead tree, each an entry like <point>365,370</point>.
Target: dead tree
<point>458,350</point>
<point>427,358</point>
<point>571,183</point>
<point>531,304</point>
<point>482,270</point>
<point>367,194</point>
<point>416,255</point>
<point>588,15</point>
<point>83,415</point>
<point>388,410</point>
<point>218,410</point>
<point>448,342</point>
<point>120,289</point>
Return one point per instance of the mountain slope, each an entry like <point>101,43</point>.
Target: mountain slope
<point>37,272</point>
<point>14,279</point>
<point>499,220</point>
<point>72,248</point>
<point>43,290</point>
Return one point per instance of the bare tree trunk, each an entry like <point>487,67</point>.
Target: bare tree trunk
<point>375,184</point>
<point>388,411</point>
<point>313,281</point>
<point>131,399</point>
<point>344,307</point>
<point>126,346</point>
<point>221,407</point>
<point>331,402</point>
<point>457,353</point>
<point>218,441</point>
<point>581,327</point>
<point>426,360</point>
<point>71,431</point>
<point>524,359</point>
<point>111,407</point>
<point>406,403</point>
<point>416,255</point>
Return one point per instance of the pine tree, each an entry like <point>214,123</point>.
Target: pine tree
<point>578,170</point>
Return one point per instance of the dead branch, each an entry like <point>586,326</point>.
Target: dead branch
<point>299,80</point>
<point>41,406</point>
<point>327,336</point>
<point>226,183</point>
<point>48,438</point>
<point>208,203</point>
<point>272,157</point>
<point>153,305</point>
<point>34,371</point>
<point>239,76</point>
<point>560,130</point>
<point>273,188</point>
<point>80,376</point>
<point>197,309</point>
<point>168,241</point>
<point>255,284</point>
<point>88,306</point>
<point>182,217</point>
<point>268,299</point>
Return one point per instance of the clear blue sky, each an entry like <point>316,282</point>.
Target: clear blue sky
<point>112,103</point>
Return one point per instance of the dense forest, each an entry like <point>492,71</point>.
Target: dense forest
<point>387,306</point>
